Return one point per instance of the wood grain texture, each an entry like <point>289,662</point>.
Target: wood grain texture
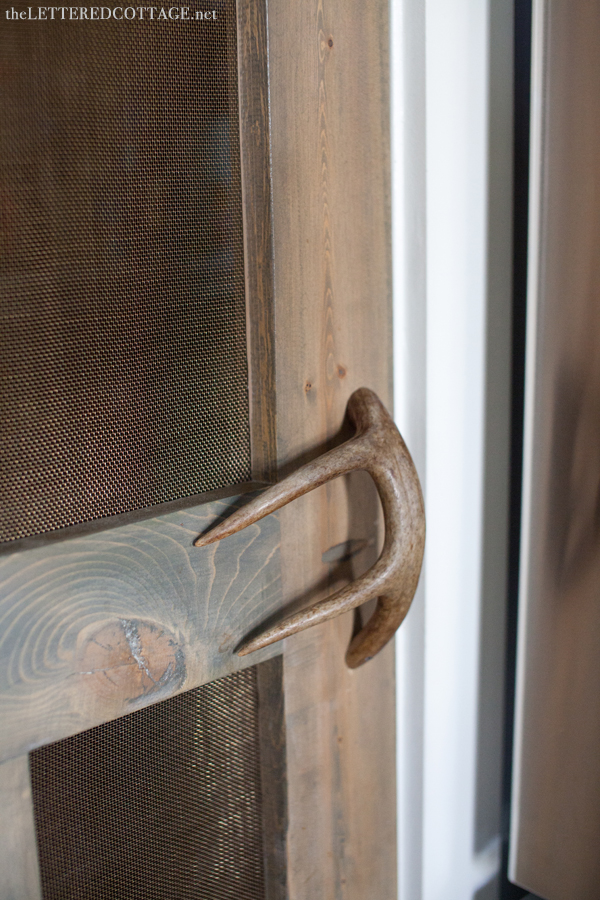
<point>98,626</point>
<point>330,149</point>
<point>258,239</point>
<point>271,728</point>
<point>19,874</point>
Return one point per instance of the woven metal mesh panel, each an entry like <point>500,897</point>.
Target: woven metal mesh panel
<point>163,803</point>
<point>123,360</point>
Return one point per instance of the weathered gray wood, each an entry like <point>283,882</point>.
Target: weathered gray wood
<point>19,874</point>
<point>96,627</point>
<point>332,282</point>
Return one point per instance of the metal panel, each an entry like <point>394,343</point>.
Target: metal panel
<point>123,352</point>
<point>556,790</point>
<point>166,801</point>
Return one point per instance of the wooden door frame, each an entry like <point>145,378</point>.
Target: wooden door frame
<point>331,239</point>
<point>329,87</point>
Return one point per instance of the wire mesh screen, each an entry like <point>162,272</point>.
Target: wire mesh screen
<point>123,360</point>
<point>163,803</point>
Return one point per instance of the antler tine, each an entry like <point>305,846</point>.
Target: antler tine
<point>378,448</point>
<point>310,476</point>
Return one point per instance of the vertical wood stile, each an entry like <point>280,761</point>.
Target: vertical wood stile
<point>19,875</point>
<point>331,212</point>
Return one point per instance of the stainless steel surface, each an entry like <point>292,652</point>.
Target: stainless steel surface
<point>555,837</point>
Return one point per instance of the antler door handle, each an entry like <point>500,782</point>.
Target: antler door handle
<point>378,448</point>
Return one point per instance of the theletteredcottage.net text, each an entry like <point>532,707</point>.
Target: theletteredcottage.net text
<point>103,13</point>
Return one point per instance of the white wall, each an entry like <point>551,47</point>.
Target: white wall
<point>452,153</point>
